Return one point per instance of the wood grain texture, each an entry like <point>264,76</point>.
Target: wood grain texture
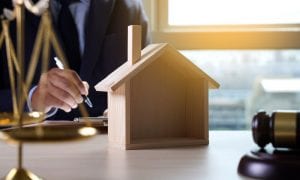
<point>168,103</point>
<point>147,143</point>
<point>118,115</point>
<point>197,109</point>
<point>134,43</point>
<point>157,101</point>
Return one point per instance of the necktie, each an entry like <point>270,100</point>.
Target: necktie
<point>69,35</point>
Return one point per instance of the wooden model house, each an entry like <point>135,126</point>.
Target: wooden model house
<point>158,98</point>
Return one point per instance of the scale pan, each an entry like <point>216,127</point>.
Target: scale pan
<point>8,119</point>
<point>47,134</point>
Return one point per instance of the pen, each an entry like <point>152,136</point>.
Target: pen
<point>60,65</point>
<point>99,119</point>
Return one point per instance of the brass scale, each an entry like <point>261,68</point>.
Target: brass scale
<point>45,38</point>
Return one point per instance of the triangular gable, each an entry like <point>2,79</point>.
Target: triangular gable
<point>149,54</point>
<point>190,67</point>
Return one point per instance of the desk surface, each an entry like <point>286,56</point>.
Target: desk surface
<point>93,159</point>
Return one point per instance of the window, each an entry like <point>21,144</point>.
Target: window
<point>250,47</point>
<point>250,80</point>
<point>228,24</point>
<point>232,12</point>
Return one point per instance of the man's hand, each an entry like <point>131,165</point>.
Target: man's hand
<point>59,88</point>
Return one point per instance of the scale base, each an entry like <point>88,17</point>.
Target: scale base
<point>21,174</point>
<point>275,164</point>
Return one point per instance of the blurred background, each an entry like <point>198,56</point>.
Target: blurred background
<point>251,47</point>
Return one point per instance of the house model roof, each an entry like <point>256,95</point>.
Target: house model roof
<point>149,55</point>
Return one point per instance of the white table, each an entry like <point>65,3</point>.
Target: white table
<point>93,159</point>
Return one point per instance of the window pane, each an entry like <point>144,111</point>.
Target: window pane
<point>250,80</point>
<point>233,12</point>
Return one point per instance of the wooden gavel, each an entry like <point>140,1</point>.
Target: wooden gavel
<point>282,129</point>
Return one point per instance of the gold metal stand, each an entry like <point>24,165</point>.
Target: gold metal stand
<point>19,88</point>
<point>21,174</point>
<point>16,62</point>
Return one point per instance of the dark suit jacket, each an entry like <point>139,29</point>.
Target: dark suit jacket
<point>106,49</point>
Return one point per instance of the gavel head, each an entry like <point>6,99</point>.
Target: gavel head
<point>261,124</point>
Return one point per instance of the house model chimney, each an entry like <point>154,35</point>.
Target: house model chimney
<point>134,43</point>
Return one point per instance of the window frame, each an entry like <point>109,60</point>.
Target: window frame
<point>219,37</point>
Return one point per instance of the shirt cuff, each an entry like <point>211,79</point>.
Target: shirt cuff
<point>48,114</point>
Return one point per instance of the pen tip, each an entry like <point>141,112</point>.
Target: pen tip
<point>88,102</point>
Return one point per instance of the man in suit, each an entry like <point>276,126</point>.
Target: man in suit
<point>101,26</point>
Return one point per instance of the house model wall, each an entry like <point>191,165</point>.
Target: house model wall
<point>158,98</point>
